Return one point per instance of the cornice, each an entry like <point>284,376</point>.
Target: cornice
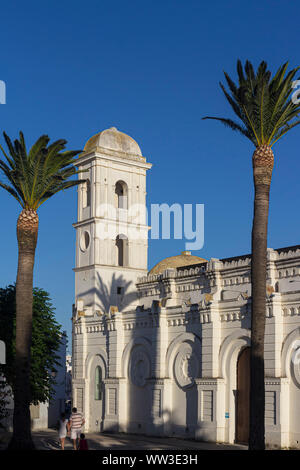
<point>100,153</point>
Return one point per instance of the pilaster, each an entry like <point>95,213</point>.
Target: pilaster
<point>211,340</point>
<point>211,409</point>
<point>274,335</point>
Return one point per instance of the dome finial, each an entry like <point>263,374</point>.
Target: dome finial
<point>113,128</point>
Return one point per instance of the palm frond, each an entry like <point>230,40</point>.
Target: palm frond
<point>261,102</point>
<point>37,175</point>
<point>11,191</point>
<point>231,124</point>
<point>284,130</point>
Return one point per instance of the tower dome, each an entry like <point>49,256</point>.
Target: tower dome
<point>113,139</point>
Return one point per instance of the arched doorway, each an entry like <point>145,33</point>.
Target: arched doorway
<point>96,375</point>
<point>243,397</point>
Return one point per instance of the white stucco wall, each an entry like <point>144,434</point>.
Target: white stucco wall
<point>169,346</point>
<point>172,370</point>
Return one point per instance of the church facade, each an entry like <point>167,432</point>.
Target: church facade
<point>166,352</point>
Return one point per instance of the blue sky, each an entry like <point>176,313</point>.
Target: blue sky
<point>150,68</point>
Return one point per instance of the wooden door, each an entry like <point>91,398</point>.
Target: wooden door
<point>243,397</point>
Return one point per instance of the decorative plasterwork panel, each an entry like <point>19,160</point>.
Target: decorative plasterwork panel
<point>139,367</point>
<point>186,366</point>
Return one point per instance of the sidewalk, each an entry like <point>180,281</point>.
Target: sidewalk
<point>48,440</point>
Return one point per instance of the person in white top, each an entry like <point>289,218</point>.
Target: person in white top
<point>62,430</point>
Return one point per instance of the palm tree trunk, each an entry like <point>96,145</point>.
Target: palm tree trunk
<point>263,161</point>
<point>27,230</point>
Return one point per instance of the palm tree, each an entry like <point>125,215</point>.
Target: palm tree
<point>266,113</point>
<point>31,178</point>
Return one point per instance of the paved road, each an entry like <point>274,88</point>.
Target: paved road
<point>48,440</point>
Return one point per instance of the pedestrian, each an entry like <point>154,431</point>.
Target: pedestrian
<point>75,424</point>
<point>83,445</point>
<point>62,430</point>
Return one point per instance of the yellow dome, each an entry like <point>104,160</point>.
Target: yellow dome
<point>185,259</point>
<point>113,139</point>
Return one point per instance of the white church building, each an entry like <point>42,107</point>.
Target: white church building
<point>166,352</point>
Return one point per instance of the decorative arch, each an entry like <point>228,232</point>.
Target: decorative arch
<point>290,356</point>
<point>229,353</point>
<point>139,341</point>
<point>231,347</point>
<point>95,406</point>
<point>102,360</point>
<point>173,349</point>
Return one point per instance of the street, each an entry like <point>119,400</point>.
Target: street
<point>48,440</point>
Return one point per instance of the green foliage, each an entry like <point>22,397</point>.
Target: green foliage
<point>5,396</point>
<point>262,103</point>
<point>46,338</point>
<point>35,176</point>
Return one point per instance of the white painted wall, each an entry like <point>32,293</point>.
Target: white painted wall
<point>169,350</point>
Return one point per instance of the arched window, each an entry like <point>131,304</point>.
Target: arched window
<point>121,192</point>
<point>98,383</point>
<point>122,250</point>
<point>86,194</point>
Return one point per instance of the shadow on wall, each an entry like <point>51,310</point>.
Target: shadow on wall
<point>150,410</point>
<point>158,409</point>
<point>117,293</point>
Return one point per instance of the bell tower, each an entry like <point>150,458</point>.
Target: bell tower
<point>111,230</point>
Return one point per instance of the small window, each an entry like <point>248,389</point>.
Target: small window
<point>122,250</point>
<point>121,191</point>
<point>98,383</point>
<point>86,194</point>
<point>119,290</point>
<point>85,241</point>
